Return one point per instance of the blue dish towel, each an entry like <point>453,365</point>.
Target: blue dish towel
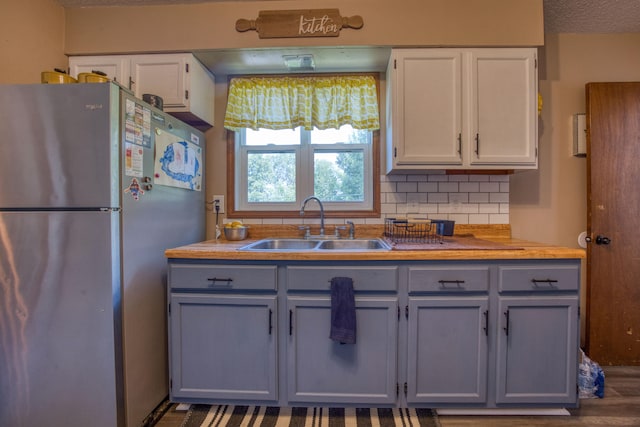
<point>343,311</point>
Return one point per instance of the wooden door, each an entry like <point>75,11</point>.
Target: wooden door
<point>613,223</point>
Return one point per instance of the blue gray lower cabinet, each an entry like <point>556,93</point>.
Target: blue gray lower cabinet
<point>463,334</point>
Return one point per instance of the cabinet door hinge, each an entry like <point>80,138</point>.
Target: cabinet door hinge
<point>397,389</point>
<point>186,94</point>
<point>406,387</point>
<point>406,312</point>
<point>171,383</point>
<point>169,309</point>
<point>186,68</point>
<point>398,313</point>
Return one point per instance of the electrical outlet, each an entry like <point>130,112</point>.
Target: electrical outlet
<point>220,199</point>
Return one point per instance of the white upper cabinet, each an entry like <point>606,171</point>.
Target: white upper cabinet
<point>116,67</point>
<point>462,109</point>
<point>186,87</point>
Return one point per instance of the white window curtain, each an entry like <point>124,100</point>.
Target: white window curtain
<point>289,102</point>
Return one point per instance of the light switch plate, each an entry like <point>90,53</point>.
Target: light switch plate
<point>579,135</point>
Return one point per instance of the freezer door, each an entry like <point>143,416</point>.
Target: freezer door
<point>154,219</point>
<point>59,284</point>
<point>59,146</point>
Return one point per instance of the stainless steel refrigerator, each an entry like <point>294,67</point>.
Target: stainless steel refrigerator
<point>94,186</point>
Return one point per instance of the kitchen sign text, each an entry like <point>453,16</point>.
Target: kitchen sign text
<point>299,23</point>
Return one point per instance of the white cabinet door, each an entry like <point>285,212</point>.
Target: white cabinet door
<point>162,75</point>
<point>502,107</point>
<point>462,109</point>
<point>427,106</point>
<point>116,67</point>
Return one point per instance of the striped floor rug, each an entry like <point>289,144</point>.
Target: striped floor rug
<point>272,416</point>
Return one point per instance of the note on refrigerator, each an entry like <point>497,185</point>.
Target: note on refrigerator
<point>178,162</point>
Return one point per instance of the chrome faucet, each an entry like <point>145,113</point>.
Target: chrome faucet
<point>304,203</point>
<point>352,230</point>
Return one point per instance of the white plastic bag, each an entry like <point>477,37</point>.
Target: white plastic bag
<point>590,378</point>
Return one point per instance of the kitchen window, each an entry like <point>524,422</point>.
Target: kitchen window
<point>278,161</point>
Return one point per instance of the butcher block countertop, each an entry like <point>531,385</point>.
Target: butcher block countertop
<point>499,245</point>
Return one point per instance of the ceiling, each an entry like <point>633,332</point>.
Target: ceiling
<point>560,16</point>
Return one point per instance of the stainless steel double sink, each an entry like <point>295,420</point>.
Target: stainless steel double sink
<point>290,244</point>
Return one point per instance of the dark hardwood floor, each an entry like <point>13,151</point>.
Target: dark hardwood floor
<point>620,407</point>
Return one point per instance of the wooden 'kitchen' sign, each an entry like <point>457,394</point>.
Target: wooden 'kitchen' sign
<point>299,23</point>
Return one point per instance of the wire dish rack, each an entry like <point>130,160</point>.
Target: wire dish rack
<point>411,231</point>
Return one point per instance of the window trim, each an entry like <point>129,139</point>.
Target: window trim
<point>374,212</point>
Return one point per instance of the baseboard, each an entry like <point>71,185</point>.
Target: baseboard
<point>503,411</point>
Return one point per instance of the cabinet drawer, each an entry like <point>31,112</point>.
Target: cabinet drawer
<point>449,278</point>
<point>223,277</point>
<point>364,278</point>
<point>543,278</point>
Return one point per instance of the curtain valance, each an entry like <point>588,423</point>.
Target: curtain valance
<point>288,102</point>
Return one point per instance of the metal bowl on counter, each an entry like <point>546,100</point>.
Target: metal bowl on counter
<point>236,233</point>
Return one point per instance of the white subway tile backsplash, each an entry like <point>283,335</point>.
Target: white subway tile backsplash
<point>489,208</point>
<point>499,219</point>
<point>438,178</point>
<point>478,197</point>
<point>389,208</point>
<point>490,187</point>
<point>458,178</point>
<point>438,197</point>
<point>428,187</point>
<point>407,187</point>
<point>416,198</point>
<point>448,187</point>
<point>394,197</point>
<point>499,178</point>
<point>387,187</point>
<point>479,219</point>
<point>417,178</point>
<point>499,198</point>
<point>470,187</point>
<point>466,199</point>
<point>396,178</point>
